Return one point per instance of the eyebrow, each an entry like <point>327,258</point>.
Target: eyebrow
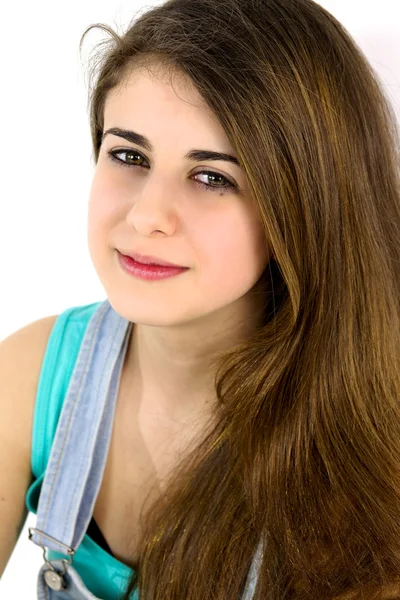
<point>194,154</point>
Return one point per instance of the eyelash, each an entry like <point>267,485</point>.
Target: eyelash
<point>211,188</point>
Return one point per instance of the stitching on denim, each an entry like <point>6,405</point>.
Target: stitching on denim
<point>94,328</point>
<point>77,480</point>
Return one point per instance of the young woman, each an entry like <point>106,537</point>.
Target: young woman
<point>226,425</point>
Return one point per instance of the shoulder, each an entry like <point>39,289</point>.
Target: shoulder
<point>21,356</point>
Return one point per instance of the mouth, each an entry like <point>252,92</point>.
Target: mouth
<point>150,260</point>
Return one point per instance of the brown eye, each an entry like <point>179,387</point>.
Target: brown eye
<point>131,157</point>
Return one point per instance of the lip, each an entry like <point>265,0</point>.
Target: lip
<point>147,272</point>
<point>149,260</point>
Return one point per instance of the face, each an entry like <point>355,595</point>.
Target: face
<point>158,202</point>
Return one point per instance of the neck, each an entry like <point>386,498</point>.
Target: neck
<point>172,369</point>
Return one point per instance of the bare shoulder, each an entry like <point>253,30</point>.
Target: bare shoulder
<point>21,357</point>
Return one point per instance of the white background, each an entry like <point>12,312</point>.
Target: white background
<point>46,165</point>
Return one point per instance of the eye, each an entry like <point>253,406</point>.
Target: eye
<point>134,155</point>
<point>113,156</point>
<point>212,176</point>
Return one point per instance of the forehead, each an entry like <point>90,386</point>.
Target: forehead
<point>154,93</point>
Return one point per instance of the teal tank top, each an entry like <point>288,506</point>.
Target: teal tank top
<point>104,575</point>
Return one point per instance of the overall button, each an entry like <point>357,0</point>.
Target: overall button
<point>54,580</point>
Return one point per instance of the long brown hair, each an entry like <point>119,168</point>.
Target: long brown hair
<point>304,453</point>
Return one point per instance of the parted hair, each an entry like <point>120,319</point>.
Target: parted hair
<point>303,450</point>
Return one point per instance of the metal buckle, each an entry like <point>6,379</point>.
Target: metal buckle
<point>70,551</point>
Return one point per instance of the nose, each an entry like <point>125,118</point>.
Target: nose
<point>154,208</point>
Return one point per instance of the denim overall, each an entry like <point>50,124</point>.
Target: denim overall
<point>78,457</point>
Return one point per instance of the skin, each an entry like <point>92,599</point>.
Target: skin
<point>160,210</point>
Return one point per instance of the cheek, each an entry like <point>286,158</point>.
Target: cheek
<point>233,249</point>
<point>100,216</point>
<point>102,206</point>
